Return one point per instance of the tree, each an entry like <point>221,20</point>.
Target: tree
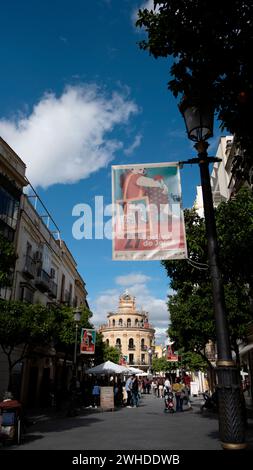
<point>192,361</point>
<point>7,261</point>
<point>160,364</point>
<point>104,352</point>
<point>209,45</point>
<point>192,323</point>
<point>192,319</point>
<point>111,354</point>
<point>24,327</point>
<point>99,350</point>
<point>65,332</point>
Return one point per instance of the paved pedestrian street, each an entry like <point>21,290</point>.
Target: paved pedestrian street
<point>143,428</point>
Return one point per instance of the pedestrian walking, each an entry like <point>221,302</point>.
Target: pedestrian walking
<point>128,388</point>
<point>96,395</point>
<point>135,392</point>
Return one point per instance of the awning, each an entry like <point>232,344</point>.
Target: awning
<point>245,349</point>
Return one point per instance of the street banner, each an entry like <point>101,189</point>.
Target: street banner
<point>88,340</point>
<point>148,220</point>
<point>123,360</point>
<point>171,355</point>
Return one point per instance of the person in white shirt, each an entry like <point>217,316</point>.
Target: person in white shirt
<point>167,382</point>
<point>128,388</point>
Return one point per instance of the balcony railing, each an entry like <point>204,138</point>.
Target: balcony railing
<point>29,267</point>
<point>67,298</point>
<point>53,289</point>
<point>131,348</point>
<point>42,280</point>
<point>127,325</point>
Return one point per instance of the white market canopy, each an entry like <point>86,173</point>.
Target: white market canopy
<point>134,370</point>
<point>107,367</point>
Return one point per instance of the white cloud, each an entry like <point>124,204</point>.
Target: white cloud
<point>132,278</point>
<point>136,143</point>
<point>65,138</point>
<point>108,301</point>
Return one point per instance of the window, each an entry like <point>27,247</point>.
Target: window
<point>128,322</point>
<point>62,288</point>
<point>118,343</point>
<point>113,322</point>
<point>131,359</point>
<point>28,249</point>
<point>136,322</point>
<point>26,294</point>
<point>8,208</point>
<point>70,293</point>
<point>143,359</point>
<point>107,342</point>
<point>120,322</point>
<point>131,343</point>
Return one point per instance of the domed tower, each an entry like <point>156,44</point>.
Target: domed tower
<point>129,330</point>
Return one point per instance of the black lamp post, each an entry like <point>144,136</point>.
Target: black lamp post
<point>150,353</point>
<point>77,318</point>
<point>198,119</point>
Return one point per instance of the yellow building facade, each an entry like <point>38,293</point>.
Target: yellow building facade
<point>129,330</point>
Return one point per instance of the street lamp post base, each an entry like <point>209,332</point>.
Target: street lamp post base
<point>232,417</point>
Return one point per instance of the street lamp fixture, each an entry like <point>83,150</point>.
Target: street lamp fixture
<point>150,353</point>
<point>198,119</point>
<point>77,319</point>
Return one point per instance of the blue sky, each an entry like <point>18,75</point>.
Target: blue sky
<point>77,95</point>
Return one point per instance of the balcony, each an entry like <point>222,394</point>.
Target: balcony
<point>67,298</point>
<point>43,280</point>
<point>29,269</point>
<point>144,347</point>
<point>131,348</point>
<point>52,289</point>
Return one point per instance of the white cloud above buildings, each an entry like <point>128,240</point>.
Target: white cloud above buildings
<point>136,284</point>
<point>68,137</point>
<point>131,279</point>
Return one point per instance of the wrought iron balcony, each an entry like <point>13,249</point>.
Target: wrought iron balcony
<point>52,289</point>
<point>42,280</point>
<point>29,268</point>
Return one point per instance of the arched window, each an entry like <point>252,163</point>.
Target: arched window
<point>131,343</point>
<point>142,343</point>
<point>136,322</point>
<point>128,322</point>
<point>118,343</point>
<point>113,322</point>
<point>120,322</point>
